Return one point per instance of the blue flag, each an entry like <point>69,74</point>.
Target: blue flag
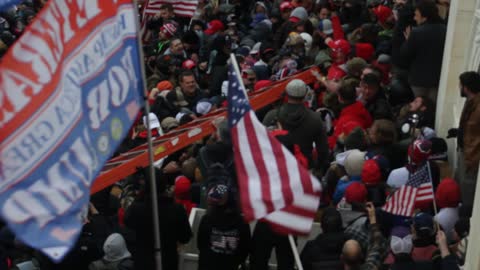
<point>6,4</point>
<point>70,89</point>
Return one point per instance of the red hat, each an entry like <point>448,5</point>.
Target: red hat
<point>169,29</point>
<point>448,193</point>
<point>164,85</point>
<point>371,173</point>
<point>261,84</point>
<point>214,27</point>
<point>419,151</point>
<point>365,51</point>
<point>382,13</point>
<point>340,45</point>
<point>182,186</point>
<point>356,192</point>
<point>188,64</point>
<point>286,5</point>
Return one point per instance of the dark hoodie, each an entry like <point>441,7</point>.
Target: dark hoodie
<point>223,240</point>
<point>324,250</point>
<point>305,128</point>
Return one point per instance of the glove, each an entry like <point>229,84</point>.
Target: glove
<point>452,133</point>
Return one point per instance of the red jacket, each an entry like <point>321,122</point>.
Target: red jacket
<point>352,116</point>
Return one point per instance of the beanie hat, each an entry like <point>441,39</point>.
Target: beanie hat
<point>371,173</point>
<point>382,13</point>
<point>423,224</point>
<point>448,193</point>
<point>356,192</point>
<point>296,89</point>
<point>401,241</point>
<point>365,51</point>
<point>217,195</point>
<point>439,149</point>
<point>419,151</point>
<point>164,85</point>
<point>169,29</point>
<point>298,14</point>
<point>182,186</point>
<point>384,165</point>
<point>355,66</point>
<point>354,163</point>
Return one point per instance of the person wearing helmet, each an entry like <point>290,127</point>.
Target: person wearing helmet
<point>305,126</point>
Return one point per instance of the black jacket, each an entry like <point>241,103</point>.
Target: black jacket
<point>223,241</point>
<point>423,52</point>
<point>379,108</point>
<point>324,251</point>
<point>174,228</point>
<point>305,127</point>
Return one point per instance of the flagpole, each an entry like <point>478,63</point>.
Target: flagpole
<point>153,183</point>
<point>233,59</point>
<point>295,252</point>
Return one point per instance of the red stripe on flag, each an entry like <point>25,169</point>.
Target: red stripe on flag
<point>283,171</point>
<point>259,163</point>
<point>242,177</point>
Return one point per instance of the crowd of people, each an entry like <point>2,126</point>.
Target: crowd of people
<point>364,128</point>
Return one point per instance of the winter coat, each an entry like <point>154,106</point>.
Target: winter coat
<point>353,115</point>
<point>323,252</point>
<point>223,241</point>
<point>423,52</point>
<point>305,127</point>
<point>378,107</point>
<point>174,229</point>
<point>469,139</point>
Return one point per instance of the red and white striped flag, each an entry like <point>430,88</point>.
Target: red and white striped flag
<point>418,189</point>
<point>185,8</point>
<point>273,185</point>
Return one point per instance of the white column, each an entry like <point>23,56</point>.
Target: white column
<point>455,60</point>
<point>462,53</point>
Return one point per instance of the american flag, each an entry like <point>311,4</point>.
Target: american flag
<point>273,185</point>
<point>417,189</point>
<point>185,8</point>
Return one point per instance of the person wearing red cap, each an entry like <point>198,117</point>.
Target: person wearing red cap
<point>372,178</point>
<point>339,52</point>
<point>214,27</point>
<point>182,193</point>
<point>352,115</point>
<point>286,8</point>
<point>448,200</point>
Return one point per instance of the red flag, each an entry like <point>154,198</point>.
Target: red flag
<point>273,185</point>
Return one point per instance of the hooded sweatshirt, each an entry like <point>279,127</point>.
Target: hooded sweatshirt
<point>117,256</point>
<point>305,128</point>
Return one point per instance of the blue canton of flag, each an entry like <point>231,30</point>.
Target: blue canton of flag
<point>238,102</point>
<point>419,177</point>
<point>5,4</point>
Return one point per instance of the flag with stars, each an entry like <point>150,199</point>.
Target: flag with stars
<point>418,189</point>
<point>273,185</point>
